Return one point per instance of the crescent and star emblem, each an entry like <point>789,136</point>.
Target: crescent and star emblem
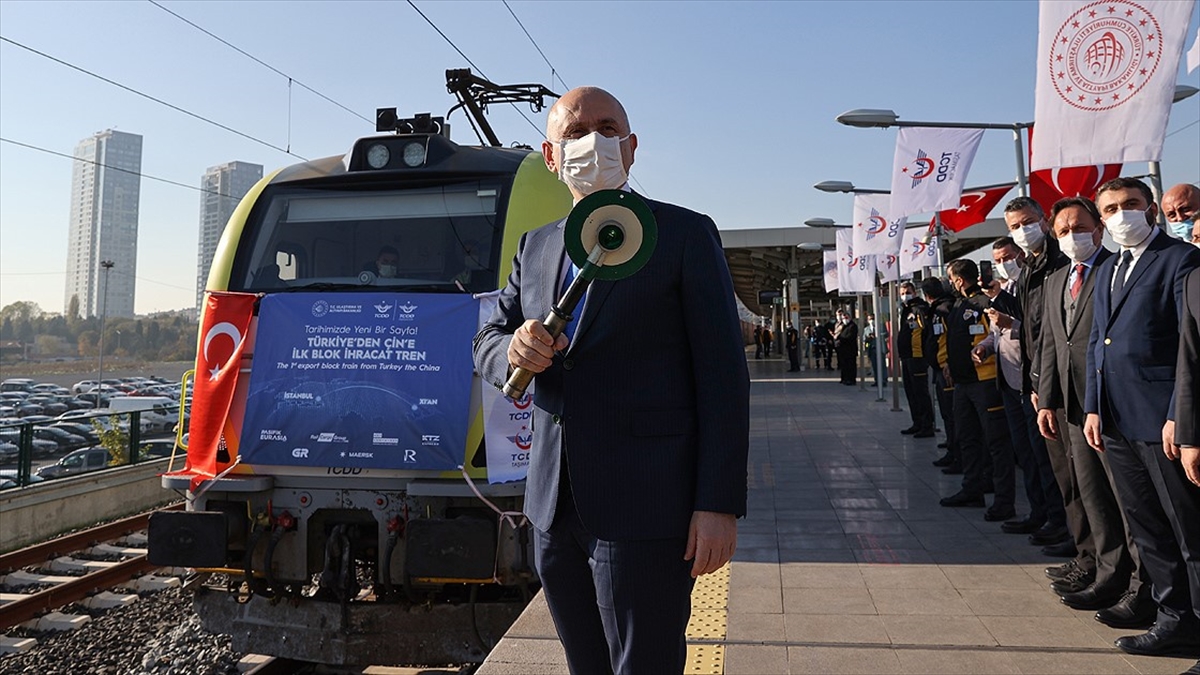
<point>965,206</point>
<point>223,328</point>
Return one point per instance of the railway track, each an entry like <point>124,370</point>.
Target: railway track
<point>74,568</point>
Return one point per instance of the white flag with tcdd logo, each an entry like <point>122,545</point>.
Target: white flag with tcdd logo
<point>918,253</point>
<point>1106,79</point>
<point>855,272</point>
<point>829,270</point>
<point>875,231</point>
<point>930,168</point>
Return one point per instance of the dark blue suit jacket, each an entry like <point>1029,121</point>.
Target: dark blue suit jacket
<point>1135,340</point>
<point>650,402</point>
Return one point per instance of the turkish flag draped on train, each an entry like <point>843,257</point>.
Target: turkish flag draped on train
<point>223,332</point>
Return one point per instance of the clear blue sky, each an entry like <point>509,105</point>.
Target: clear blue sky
<point>733,102</point>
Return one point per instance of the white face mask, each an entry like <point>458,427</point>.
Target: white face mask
<point>1078,246</point>
<point>906,297</point>
<point>591,163</point>
<point>1029,237</point>
<point>387,271</point>
<point>1128,228</point>
<point>1009,269</point>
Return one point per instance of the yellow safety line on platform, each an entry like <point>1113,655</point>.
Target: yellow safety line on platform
<point>710,598</point>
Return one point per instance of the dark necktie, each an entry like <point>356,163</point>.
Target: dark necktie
<point>1077,285</point>
<point>1122,272</point>
<point>569,330</point>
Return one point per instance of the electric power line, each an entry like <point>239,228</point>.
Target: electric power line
<point>553,70</point>
<point>468,60</point>
<point>259,61</point>
<point>148,96</point>
<point>1186,126</point>
<point>114,168</point>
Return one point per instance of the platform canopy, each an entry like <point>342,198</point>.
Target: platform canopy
<point>760,259</point>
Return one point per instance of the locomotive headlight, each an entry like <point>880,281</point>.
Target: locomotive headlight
<point>378,156</point>
<point>414,154</point>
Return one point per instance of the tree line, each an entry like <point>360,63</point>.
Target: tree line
<point>166,336</point>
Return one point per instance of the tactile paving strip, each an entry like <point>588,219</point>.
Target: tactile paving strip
<point>710,597</point>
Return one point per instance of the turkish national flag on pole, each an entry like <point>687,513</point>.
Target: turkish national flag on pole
<point>855,272</point>
<point>875,232</point>
<point>224,326</point>
<point>917,253</point>
<point>973,207</point>
<point>1050,185</point>
<point>1106,79</point>
<point>930,168</point>
<point>829,270</point>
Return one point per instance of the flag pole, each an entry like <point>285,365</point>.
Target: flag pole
<point>937,232</point>
<point>1022,179</point>
<point>894,317</point>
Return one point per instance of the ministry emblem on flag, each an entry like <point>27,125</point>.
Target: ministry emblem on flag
<point>1104,53</point>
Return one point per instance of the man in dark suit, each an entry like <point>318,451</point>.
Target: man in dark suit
<point>1187,382</point>
<point>845,343</point>
<point>1130,407</point>
<point>1106,578</point>
<point>640,420</point>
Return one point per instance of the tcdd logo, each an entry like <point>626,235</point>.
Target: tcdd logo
<point>523,402</point>
<point>523,439</point>
<point>921,168</point>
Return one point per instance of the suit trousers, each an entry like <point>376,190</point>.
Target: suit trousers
<point>619,607</point>
<point>1111,546</point>
<point>916,390</point>
<point>847,364</point>
<point>1068,486</point>
<point>1045,501</point>
<point>1160,506</point>
<point>982,435</point>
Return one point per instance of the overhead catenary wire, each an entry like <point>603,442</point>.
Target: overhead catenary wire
<point>144,95</point>
<point>114,168</point>
<point>259,61</point>
<point>553,70</point>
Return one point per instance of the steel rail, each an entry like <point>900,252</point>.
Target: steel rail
<point>13,613</point>
<point>40,553</point>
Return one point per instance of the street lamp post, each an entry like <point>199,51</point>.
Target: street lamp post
<point>107,266</point>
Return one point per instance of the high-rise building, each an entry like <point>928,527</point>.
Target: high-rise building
<point>105,189</point>
<point>223,187</point>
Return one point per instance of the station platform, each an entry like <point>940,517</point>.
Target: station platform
<point>847,564</point>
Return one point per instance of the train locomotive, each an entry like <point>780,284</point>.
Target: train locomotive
<point>307,554</point>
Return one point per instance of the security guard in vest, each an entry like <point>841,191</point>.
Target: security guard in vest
<point>914,315</point>
<point>980,423</point>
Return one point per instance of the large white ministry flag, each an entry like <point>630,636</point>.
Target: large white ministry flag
<point>930,168</point>
<point>829,270</point>
<point>875,232</point>
<point>1105,79</point>
<point>855,272</point>
<point>917,253</point>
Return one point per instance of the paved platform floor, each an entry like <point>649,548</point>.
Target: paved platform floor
<point>847,564</point>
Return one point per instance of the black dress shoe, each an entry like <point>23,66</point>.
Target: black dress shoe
<point>1023,526</point>
<point>945,460</point>
<point>1049,534</point>
<point>995,515</point>
<point>909,431</point>
<point>1091,598</point>
<point>963,498</point>
<point>1181,641</point>
<point>1133,610</point>
<point>1065,549</point>
<point>1075,582</point>
<point>945,445</point>
<point>1056,572</point>
<point>924,433</point>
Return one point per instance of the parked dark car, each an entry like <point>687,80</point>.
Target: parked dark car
<point>158,447</point>
<point>41,448</point>
<point>8,452</point>
<point>82,429</point>
<point>65,439</point>
<point>79,461</point>
<point>50,404</point>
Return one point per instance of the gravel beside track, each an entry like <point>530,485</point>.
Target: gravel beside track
<point>157,635</point>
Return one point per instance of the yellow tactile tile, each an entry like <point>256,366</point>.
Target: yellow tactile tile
<point>710,598</point>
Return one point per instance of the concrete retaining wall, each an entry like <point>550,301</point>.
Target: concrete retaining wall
<point>37,512</point>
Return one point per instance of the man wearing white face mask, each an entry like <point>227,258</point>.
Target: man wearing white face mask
<point>1181,205</point>
<point>637,473</point>
<point>1130,406</point>
<point>1109,573</point>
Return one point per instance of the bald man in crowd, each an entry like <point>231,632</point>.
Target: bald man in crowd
<point>1180,205</point>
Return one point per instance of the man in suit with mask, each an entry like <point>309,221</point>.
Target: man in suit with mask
<point>1106,578</point>
<point>641,417</point>
<point>1130,407</point>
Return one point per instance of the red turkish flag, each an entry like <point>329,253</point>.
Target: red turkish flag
<point>1050,185</point>
<point>223,331</point>
<point>974,206</point>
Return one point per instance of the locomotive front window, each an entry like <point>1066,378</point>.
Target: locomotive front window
<point>443,238</point>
